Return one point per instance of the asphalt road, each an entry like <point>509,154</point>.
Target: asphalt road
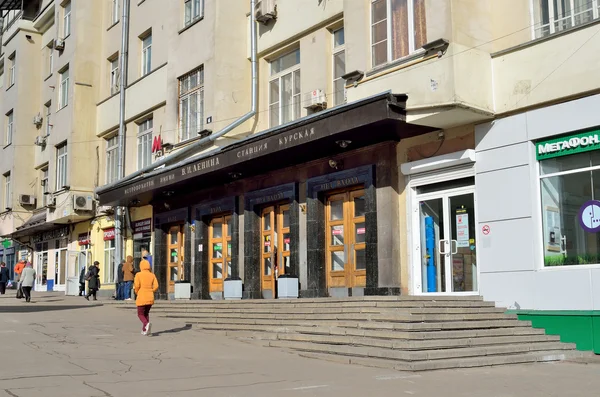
<point>63,346</point>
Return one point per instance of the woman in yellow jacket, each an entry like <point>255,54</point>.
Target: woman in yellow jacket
<point>145,285</point>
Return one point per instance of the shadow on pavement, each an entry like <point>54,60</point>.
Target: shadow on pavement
<point>173,331</point>
<point>32,308</point>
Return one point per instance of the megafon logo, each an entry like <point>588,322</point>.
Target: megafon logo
<point>570,143</point>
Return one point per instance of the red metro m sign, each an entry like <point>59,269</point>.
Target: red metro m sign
<point>157,149</point>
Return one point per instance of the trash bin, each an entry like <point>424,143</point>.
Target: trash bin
<point>183,289</point>
<point>287,286</point>
<point>232,288</point>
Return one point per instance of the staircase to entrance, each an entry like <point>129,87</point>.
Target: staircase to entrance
<point>409,333</point>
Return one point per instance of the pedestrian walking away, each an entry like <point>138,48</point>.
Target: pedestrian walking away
<point>82,281</point>
<point>128,277</point>
<point>120,287</point>
<point>146,255</point>
<point>145,285</point>
<point>4,277</point>
<point>27,280</point>
<point>93,279</point>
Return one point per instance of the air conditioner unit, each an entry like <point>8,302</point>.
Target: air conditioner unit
<point>37,120</point>
<point>315,99</point>
<point>51,202</point>
<point>83,202</point>
<point>59,44</point>
<point>265,10</point>
<point>40,141</point>
<point>26,199</point>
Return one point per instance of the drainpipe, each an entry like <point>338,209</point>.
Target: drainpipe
<point>197,146</point>
<point>121,136</point>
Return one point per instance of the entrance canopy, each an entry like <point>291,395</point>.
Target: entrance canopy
<point>372,120</point>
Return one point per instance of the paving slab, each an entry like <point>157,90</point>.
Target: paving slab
<point>66,346</point>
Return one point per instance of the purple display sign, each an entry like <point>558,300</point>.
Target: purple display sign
<point>589,216</point>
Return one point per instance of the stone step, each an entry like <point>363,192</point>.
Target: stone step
<point>523,358</point>
<point>396,317</point>
<point>376,325</point>
<point>421,355</point>
<point>399,344</point>
<point>385,334</point>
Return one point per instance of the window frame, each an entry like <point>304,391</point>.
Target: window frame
<point>12,70</point>
<point>538,25</point>
<point>50,59</point>
<point>45,182</point>
<point>146,54</point>
<point>195,5</point>
<point>112,146</point>
<point>48,117</point>
<point>63,92</point>
<point>7,192</point>
<point>144,138</point>
<point>115,83</point>
<point>336,50</point>
<point>279,76</point>
<point>410,4</point>
<point>185,129</point>
<point>66,20</point>
<point>62,160</point>
<point>2,74</point>
<point>10,122</point>
<point>115,14</point>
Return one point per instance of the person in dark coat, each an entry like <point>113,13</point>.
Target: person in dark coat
<point>4,277</point>
<point>93,279</point>
<point>119,287</point>
<point>82,281</point>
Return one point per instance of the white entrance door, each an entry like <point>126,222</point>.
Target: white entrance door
<point>445,259</point>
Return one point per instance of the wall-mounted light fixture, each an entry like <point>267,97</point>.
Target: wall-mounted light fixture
<point>343,143</point>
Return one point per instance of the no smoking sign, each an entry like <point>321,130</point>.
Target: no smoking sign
<point>485,230</point>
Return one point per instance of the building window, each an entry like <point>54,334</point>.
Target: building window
<point>144,143</point>
<point>115,11</point>
<point>2,75</point>
<point>63,92</point>
<point>9,127</point>
<point>61,166</point>
<point>146,54</point>
<point>397,29</point>
<point>284,89</point>
<point>50,59</point>
<point>66,20</point>
<point>339,67</point>
<point>191,104</point>
<point>114,75</point>
<point>112,172</point>
<point>13,67</point>
<point>45,185</point>
<point>7,192</point>
<point>553,16</point>
<point>567,183</point>
<point>193,11</point>
<point>109,261</point>
<point>48,114</point>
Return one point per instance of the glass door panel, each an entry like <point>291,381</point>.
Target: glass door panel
<point>219,235</point>
<point>175,260</point>
<point>336,241</point>
<point>433,245</point>
<point>357,237</point>
<point>284,239</point>
<point>268,251</point>
<point>463,248</point>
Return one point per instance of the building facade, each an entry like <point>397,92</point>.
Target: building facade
<point>360,146</point>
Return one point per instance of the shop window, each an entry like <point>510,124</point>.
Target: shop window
<point>555,16</point>
<point>567,183</point>
<point>398,28</point>
<point>284,89</point>
<point>109,261</point>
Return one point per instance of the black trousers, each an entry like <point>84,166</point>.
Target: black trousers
<point>92,292</point>
<point>82,289</point>
<point>2,288</point>
<point>27,293</point>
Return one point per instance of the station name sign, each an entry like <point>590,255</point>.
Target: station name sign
<point>567,145</point>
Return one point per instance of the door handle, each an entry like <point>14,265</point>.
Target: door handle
<point>454,247</point>
<point>440,250</point>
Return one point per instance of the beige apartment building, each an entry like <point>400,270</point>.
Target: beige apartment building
<point>392,147</point>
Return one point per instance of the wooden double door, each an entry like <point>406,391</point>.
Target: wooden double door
<point>346,239</point>
<point>275,247</point>
<point>175,252</point>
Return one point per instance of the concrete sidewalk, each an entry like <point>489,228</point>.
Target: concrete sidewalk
<point>65,346</point>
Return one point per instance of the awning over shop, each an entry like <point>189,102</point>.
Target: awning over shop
<point>372,120</point>
<point>35,224</point>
